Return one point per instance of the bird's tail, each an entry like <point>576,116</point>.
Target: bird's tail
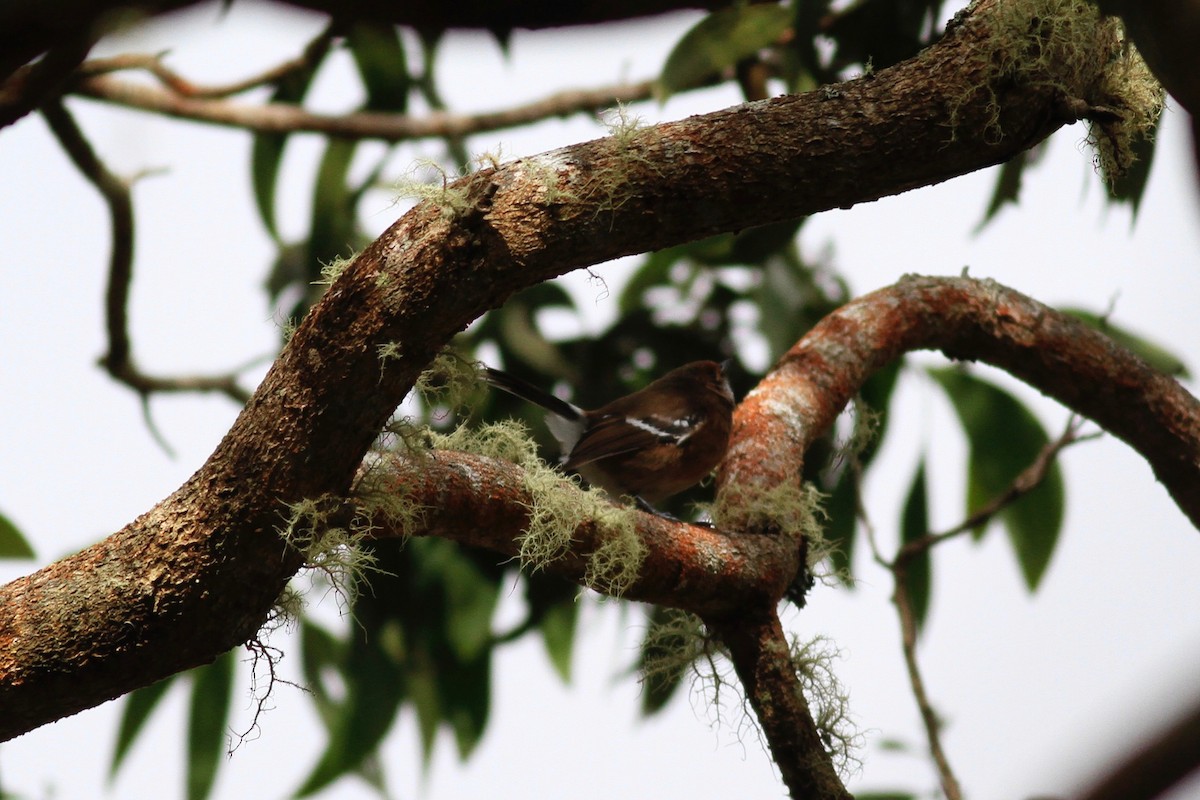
<point>529,392</point>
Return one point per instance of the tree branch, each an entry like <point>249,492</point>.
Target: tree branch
<point>197,574</point>
<point>288,118</point>
<point>118,361</point>
<point>761,657</point>
<point>975,320</point>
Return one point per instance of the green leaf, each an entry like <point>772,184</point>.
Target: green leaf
<point>1008,186</point>
<point>914,524</point>
<point>12,544</point>
<point>660,646</point>
<point>320,651</point>
<point>379,55</point>
<point>266,154</point>
<point>333,226</point>
<point>719,41</point>
<point>558,634</point>
<point>374,689</point>
<point>1155,355</point>
<point>1129,187</point>
<point>138,705</point>
<point>842,508</point>
<point>212,688</point>
<point>1004,437</point>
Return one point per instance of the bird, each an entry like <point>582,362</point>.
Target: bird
<point>648,445</point>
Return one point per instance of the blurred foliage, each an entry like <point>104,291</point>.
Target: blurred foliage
<point>13,543</point>
<point>422,636</point>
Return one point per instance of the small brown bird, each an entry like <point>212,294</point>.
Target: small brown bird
<point>648,445</point>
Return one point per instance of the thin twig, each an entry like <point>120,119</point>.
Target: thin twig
<point>1028,480</point>
<point>288,118</point>
<point>153,63</point>
<point>118,361</point>
<point>908,631</point>
<point>1025,482</point>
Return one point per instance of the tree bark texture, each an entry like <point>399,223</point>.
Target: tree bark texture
<point>197,574</point>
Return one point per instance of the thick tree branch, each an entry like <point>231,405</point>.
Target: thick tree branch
<point>1155,766</point>
<point>197,574</point>
<point>977,320</point>
<point>483,502</point>
<point>760,654</point>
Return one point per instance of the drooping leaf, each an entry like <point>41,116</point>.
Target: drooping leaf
<point>1008,187</point>
<point>374,688</point>
<point>558,635</point>
<point>266,153</point>
<point>914,523</point>
<point>1003,438</point>
<point>1154,354</point>
<point>379,55</point>
<point>659,646</point>
<point>553,609</point>
<point>138,705</point>
<point>1130,186</point>
<point>207,741</point>
<point>719,41</point>
<point>12,544</point>
<point>334,220</point>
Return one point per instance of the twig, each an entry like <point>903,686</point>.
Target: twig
<point>118,361</point>
<point>287,118</point>
<point>152,63</point>
<point>908,632</point>
<point>1025,482</point>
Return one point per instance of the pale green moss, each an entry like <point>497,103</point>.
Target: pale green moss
<point>450,380</point>
<point>787,509</point>
<point>331,271</point>
<point>326,547</point>
<point>557,508</point>
<point>453,201</point>
<point>1137,97</point>
<point>828,701</point>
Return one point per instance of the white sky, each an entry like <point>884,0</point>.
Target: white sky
<point>1035,691</point>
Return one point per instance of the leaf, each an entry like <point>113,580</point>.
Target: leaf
<point>138,705</point>
<point>374,689</point>
<point>379,55</point>
<point>12,544</point>
<point>1004,437</point>
<point>1155,355</point>
<point>1131,185</point>
<point>332,230</point>
<point>659,646</point>
<point>558,634</point>
<point>266,154</point>
<point>842,508</point>
<point>1008,187</point>
<point>914,524</point>
<point>212,688</point>
<point>719,41</point>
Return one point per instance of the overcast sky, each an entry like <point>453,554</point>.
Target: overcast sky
<point>1035,691</point>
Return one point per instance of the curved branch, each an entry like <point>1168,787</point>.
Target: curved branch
<point>198,573</point>
<point>483,502</point>
<point>976,320</point>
